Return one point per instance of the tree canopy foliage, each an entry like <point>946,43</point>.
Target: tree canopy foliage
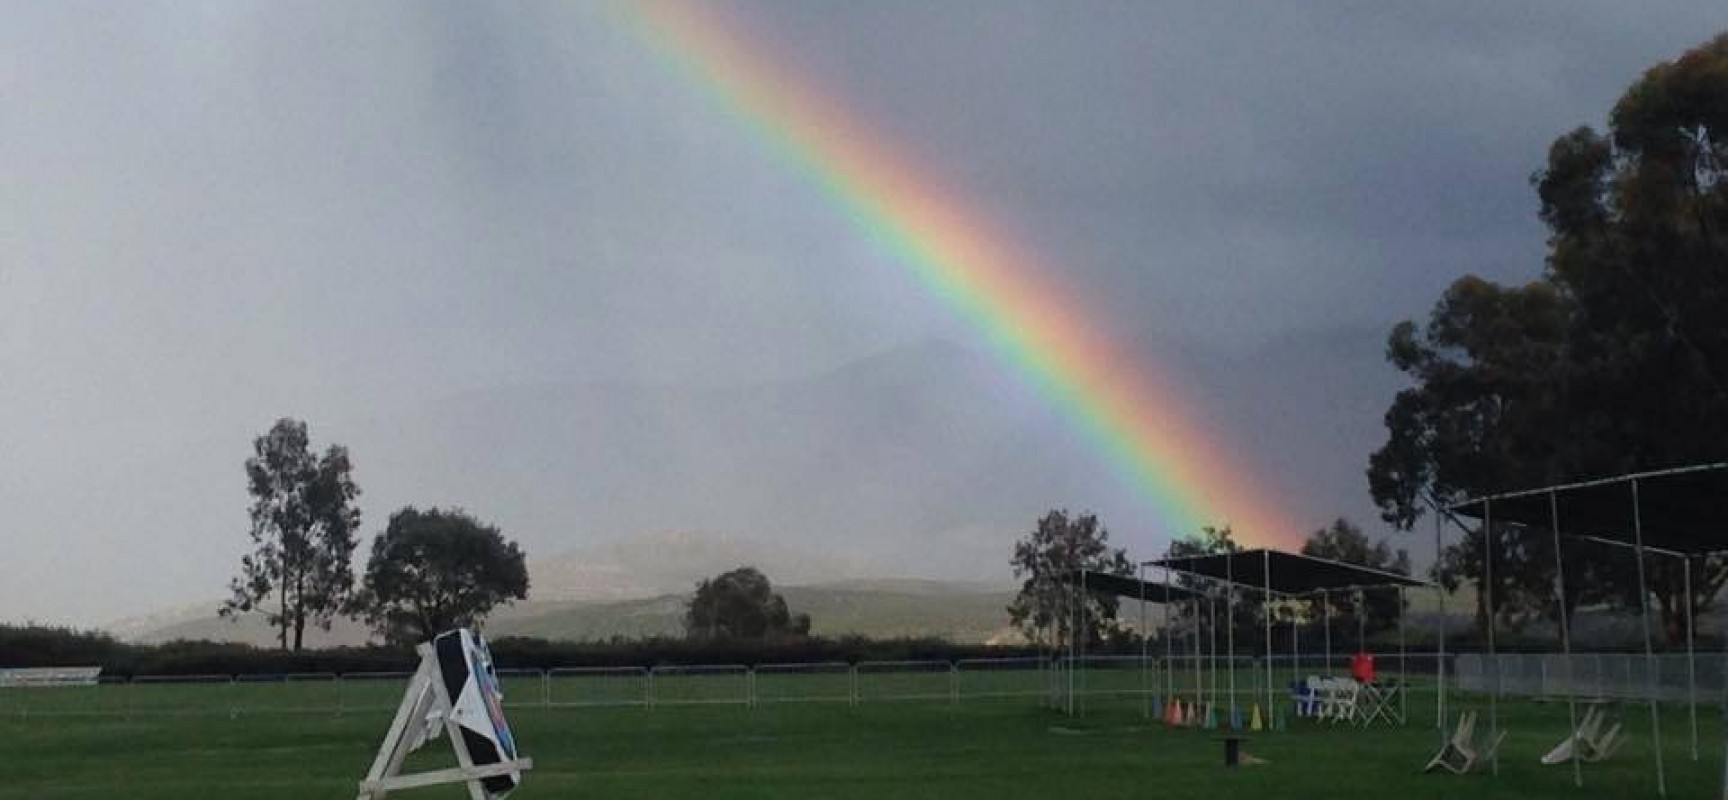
<point>1045,610</point>
<point>741,604</point>
<point>1615,360</point>
<point>433,570</point>
<point>303,522</point>
<point>1343,541</point>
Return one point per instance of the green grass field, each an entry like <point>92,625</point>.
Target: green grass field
<point>244,740</point>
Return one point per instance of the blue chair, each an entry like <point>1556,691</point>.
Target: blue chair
<point>1302,696</point>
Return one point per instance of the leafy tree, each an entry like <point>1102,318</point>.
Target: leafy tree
<point>1344,542</point>
<point>434,570</point>
<point>1615,361</point>
<point>1045,609</point>
<point>1243,607</point>
<point>741,604</point>
<point>303,524</point>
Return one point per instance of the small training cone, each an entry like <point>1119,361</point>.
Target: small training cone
<point>1254,719</point>
<point>1211,717</point>
<point>1172,713</point>
<point>1235,718</point>
<point>1191,715</point>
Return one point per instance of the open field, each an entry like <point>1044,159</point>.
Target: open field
<point>239,740</point>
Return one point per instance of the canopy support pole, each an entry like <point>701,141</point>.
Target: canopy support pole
<point>1145,694</point>
<point>1440,598</point>
<point>1326,611</point>
<point>1085,633</point>
<point>1199,665</point>
<point>1212,634</point>
<point>1565,632</point>
<point>1295,642</point>
<point>1493,661</point>
<point>1649,646</point>
<point>1230,627</point>
<point>1403,666</point>
<point>1266,609</point>
<point>1691,659</point>
<point>1169,643</point>
<point>1361,620</point>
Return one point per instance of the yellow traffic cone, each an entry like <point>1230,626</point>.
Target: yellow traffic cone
<point>1254,720</point>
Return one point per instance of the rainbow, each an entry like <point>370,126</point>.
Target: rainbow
<point>1143,424</point>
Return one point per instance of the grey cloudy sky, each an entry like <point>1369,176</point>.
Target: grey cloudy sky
<point>468,240</point>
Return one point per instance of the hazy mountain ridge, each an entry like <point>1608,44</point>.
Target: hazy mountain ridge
<point>961,612</point>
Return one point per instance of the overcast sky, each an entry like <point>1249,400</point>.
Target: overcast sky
<point>216,214</point>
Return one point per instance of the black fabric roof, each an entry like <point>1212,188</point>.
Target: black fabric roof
<point>1155,592</point>
<point>1683,510</point>
<point>1290,573</point>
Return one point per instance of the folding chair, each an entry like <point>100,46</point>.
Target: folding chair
<point>1460,754</point>
<point>1587,743</point>
<point>1306,702</point>
<point>1380,702</point>
<point>1346,694</point>
<point>1604,748</point>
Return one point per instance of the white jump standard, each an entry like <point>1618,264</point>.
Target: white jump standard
<point>455,691</point>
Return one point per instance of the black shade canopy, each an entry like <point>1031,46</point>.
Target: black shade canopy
<point>1285,573</point>
<point>1684,510</point>
<point>1125,586</point>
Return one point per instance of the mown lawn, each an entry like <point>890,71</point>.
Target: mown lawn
<point>929,749</point>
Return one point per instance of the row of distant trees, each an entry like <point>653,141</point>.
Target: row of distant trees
<point>1615,360</point>
<point>429,570</point>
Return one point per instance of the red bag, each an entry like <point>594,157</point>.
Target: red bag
<point>1362,667</point>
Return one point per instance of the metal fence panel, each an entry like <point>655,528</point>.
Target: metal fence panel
<point>795,683</point>
<point>987,678</point>
<point>906,680</point>
<point>597,686</point>
<point>700,685</point>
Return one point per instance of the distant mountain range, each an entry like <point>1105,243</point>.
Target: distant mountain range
<point>637,586</point>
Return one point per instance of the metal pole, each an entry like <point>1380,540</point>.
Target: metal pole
<point>1649,647</point>
<point>1230,626</point>
<point>1440,659</point>
<point>1212,633</point>
<point>1361,620</point>
<point>1266,608</point>
<point>1326,610</point>
<point>1691,660</point>
<point>1145,695</point>
<point>1565,633</point>
<point>1169,643</point>
<point>1073,629</point>
<point>1488,596</point>
<point>1403,666</point>
<point>1295,644</point>
<point>1085,633</point>
<point>1199,667</point>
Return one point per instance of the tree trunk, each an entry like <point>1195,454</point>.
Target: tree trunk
<point>282,617</point>
<point>299,612</point>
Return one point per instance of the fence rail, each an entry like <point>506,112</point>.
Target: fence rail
<point>1092,679</point>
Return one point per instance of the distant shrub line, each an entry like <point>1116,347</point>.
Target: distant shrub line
<point>36,646</point>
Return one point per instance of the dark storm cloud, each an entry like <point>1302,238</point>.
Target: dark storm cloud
<point>474,241</point>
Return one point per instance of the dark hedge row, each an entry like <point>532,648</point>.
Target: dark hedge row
<point>39,647</point>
